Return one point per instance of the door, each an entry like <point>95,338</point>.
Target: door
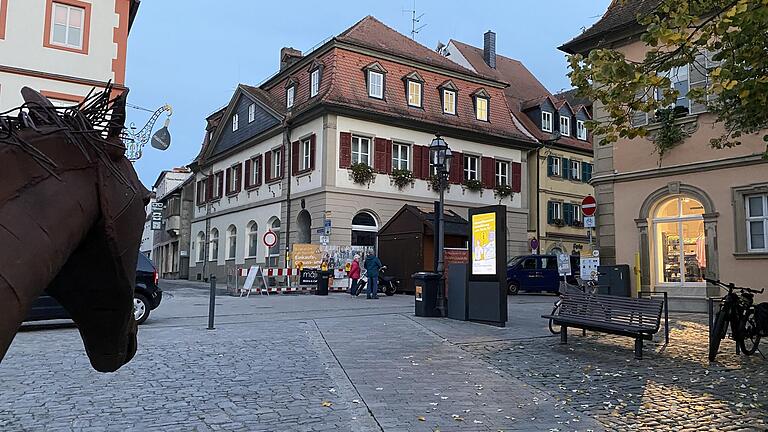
<point>549,279</point>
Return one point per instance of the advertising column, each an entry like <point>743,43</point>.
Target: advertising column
<point>486,280</point>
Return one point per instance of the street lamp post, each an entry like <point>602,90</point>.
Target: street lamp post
<point>441,159</point>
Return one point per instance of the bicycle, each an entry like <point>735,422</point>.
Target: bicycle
<point>733,311</point>
<point>588,287</point>
<point>754,326</point>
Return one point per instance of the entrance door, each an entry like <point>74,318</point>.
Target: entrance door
<point>680,243</point>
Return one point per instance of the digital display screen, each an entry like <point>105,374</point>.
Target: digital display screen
<point>483,245</point>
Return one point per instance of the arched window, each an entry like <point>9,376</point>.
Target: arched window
<point>680,242</point>
<point>304,223</point>
<point>274,225</point>
<point>231,242</point>
<point>200,246</point>
<point>364,229</point>
<point>213,245</point>
<point>253,239</point>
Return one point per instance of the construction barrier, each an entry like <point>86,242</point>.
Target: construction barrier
<point>269,282</point>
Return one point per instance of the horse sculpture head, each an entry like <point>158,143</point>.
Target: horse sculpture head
<point>71,218</point>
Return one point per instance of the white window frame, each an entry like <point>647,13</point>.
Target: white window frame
<point>546,121</point>
<point>575,169</point>
<point>251,112</point>
<point>200,246</point>
<point>376,89</point>
<point>414,93</point>
<point>232,180</point>
<point>232,243</point>
<point>557,168</point>
<point>481,114</point>
<point>557,210</point>
<point>252,237</point>
<point>565,125</point>
<point>577,215</point>
<point>471,172</point>
<point>290,94</point>
<point>751,219</point>
<point>213,245</point>
<point>358,156</point>
<point>502,173</point>
<point>314,83</point>
<point>254,171</point>
<point>67,27</point>
<point>274,251</point>
<point>400,160</point>
<point>235,122</point>
<point>449,108</point>
<point>581,130</point>
<point>306,154</point>
<point>277,163</point>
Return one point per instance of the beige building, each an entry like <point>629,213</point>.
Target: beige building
<point>701,213</point>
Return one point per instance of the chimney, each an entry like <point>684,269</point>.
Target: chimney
<point>288,56</point>
<point>489,48</point>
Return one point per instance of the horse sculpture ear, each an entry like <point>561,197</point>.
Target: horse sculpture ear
<point>33,97</point>
<point>40,108</point>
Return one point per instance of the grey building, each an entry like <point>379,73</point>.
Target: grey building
<point>175,190</point>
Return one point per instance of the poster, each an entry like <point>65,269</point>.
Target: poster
<point>307,256</point>
<point>589,267</point>
<point>484,244</point>
<point>563,264</point>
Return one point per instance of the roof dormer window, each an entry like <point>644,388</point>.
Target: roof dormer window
<point>290,93</point>
<point>581,130</point>
<point>546,121</point>
<point>482,104</point>
<point>375,80</point>
<point>414,89</point>
<point>565,125</point>
<point>235,122</point>
<point>314,82</point>
<point>448,92</point>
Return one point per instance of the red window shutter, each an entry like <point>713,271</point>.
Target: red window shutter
<point>457,168</point>
<point>516,172</point>
<point>239,177</point>
<point>248,166</point>
<point>257,167</point>
<point>220,181</point>
<point>312,152</point>
<point>199,194</point>
<point>388,156</point>
<point>425,171</point>
<point>380,155</point>
<point>488,167</point>
<point>285,161</point>
<point>294,158</point>
<point>228,176</point>
<point>345,149</point>
<point>417,162</point>
<point>209,188</point>
<point>268,166</point>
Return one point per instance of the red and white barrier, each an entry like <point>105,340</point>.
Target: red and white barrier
<point>282,271</point>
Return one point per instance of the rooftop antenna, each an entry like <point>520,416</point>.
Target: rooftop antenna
<point>415,27</point>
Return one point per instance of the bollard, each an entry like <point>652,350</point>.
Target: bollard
<point>212,303</point>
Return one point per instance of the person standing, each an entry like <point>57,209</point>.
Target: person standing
<point>372,267</point>
<point>354,274</point>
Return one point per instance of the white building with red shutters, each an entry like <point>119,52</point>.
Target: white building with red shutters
<point>280,156</point>
<point>62,48</point>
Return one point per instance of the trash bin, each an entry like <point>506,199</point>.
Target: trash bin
<point>322,282</point>
<point>614,280</point>
<point>427,285</point>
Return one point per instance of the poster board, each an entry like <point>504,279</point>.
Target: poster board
<point>563,264</point>
<point>306,255</point>
<point>253,273</point>
<point>589,267</point>
<point>483,244</point>
<point>486,299</point>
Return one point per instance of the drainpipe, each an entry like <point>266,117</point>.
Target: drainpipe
<point>538,199</point>
<point>289,166</point>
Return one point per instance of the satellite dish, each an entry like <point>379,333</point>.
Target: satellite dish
<point>161,140</point>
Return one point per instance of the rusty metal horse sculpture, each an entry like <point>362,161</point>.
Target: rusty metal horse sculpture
<point>71,217</point>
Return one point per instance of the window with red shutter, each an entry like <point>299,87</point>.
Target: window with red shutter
<point>248,166</point>
<point>312,152</point>
<point>388,156</point>
<point>488,167</point>
<point>238,177</point>
<point>345,149</point>
<point>257,167</point>
<point>417,162</point>
<point>268,166</point>
<point>457,167</point>
<point>209,188</point>
<point>380,155</point>
<point>516,176</point>
<point>230,181</point>
<point>426,172</point>
<point>295,158</point>
<point>201,192</point>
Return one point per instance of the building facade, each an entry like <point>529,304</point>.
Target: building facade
<point>701,213</point>
<point>560,170</point>
<point>174,189</point>
<point>288,155</point>
<point>62,48</point>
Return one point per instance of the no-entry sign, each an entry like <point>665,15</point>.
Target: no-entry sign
<point>588,205</point>
<point>270,238</point>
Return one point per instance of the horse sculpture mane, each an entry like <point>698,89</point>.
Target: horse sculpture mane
<point>71,218</point>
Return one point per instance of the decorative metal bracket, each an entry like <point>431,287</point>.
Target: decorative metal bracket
<point>135,141</point>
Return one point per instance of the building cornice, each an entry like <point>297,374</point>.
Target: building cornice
<point>58,77</point>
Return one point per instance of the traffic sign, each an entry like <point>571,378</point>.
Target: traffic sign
<point>534,244</point>
<point>589,221</point>
<point>324,240</point>
<point>270,238</point>
<point>588,205</point>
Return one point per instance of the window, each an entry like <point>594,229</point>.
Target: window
<point>231,242</point>
<point>274,251</point>
<point>253,239</point>
<point>255,174</point>
<point>289,93</point>
<point>576,209</point>
<point>68,26</point>
<point>361,147</point>
<point>200,246</point>
<point>565,125</point>
<point>679,242</point>
<point>235,122</point>
<point>449,102</point>
<point>306,155</point>
<point>502,173</point>
<point>218,184</point>
<point>201,192</point>
<point>554,212</point>
<point>757,223</point>
<point>213,245</point>
<point>546,121</point>
<point>575,170</point>
<point>376,84</point>
<point>314,82</point>
<point>553,166</point>
<point>586,168</point>
<point>251,112</point>
<point>400,156</point>
<point>581,130</point>
<point>233,179</point>
<point>364,229</point>
<point>414,93</point>
<point>529,264</point>
<point>470,167</point>
<point>277,163</point>
<point>481,108</point>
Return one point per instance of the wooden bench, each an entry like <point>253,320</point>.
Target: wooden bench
<point>639,318</point>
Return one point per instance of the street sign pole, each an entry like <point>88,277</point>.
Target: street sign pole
<point>588,207</point>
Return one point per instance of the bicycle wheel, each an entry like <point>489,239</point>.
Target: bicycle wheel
<point>718,333</point>
<point>554,328</point>
<point>750,333</point>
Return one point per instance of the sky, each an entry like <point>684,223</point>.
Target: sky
<point>192,54</point>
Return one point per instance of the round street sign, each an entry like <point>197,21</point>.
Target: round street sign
<point>588,205</point>
<point>270,238</point>
<point>534,243</point>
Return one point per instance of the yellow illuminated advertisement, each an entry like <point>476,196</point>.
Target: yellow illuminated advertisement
<point>484,244</point>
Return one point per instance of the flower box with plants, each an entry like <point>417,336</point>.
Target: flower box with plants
<point>473,185</point>
<point>577,224</point>
<point>362,173</point>
<point>434,183</point>
<point>401,178</point>
<point>503,191</point>
<point>558,222</point>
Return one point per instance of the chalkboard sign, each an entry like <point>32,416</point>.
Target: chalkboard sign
<point>308,277</point>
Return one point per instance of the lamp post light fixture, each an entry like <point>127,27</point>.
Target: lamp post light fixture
<point>441,161</point>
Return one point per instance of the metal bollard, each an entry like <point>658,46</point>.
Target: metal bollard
<point>212,303</point>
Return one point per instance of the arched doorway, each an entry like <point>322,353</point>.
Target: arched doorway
<point>364,229</point>
<point>304,225</point>
<point>679,242</point>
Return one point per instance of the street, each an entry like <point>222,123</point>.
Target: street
<point>308,363</point>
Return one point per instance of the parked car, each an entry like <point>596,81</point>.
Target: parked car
<point>536,273</point>
<point>146,296</point>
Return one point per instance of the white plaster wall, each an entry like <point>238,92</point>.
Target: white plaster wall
<point>23,44</point>
<point>169,182</point>
<point>11,85</point>
<point>420,188</point>
<point>313,179</point>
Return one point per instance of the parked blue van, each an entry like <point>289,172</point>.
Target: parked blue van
<point>536,273</point>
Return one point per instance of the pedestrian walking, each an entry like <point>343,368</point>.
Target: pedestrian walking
<point>372,267</point>
<point>354,274</point>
